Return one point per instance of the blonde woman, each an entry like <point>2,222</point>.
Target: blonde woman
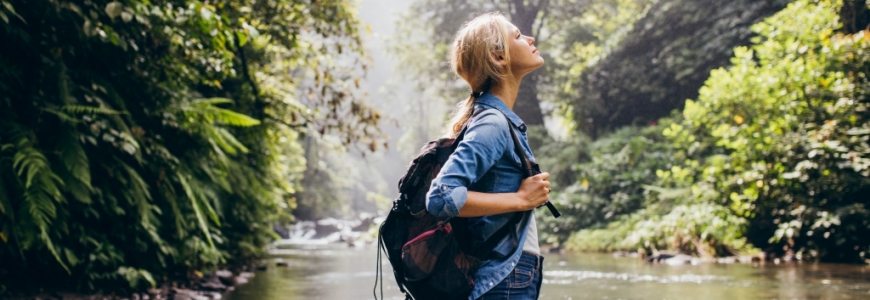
<point>483,180</point>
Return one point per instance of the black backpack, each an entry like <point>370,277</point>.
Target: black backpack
<point>432,257</point>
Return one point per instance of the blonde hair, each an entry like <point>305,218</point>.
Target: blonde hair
<point>481,56</point>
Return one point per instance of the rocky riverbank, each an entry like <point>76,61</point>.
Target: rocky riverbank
<point>202,287</point>
<point>673,258</point>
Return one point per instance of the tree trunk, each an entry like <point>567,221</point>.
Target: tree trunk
<point>528,105</point>
<point>855,16</point>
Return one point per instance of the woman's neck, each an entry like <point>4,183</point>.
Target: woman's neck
<point>507,91</point>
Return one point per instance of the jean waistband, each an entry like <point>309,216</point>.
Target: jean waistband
<point>532,259</point>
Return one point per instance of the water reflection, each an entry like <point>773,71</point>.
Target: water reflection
<point>341,273</point>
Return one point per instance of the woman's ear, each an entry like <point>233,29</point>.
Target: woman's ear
<point>498,57</point>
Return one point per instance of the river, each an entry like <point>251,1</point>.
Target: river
<point>337,272</point>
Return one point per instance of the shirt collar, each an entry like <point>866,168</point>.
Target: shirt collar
<point>492,101</point>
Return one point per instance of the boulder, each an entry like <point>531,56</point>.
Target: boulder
<point>211,283</point>
<point>225,276</point>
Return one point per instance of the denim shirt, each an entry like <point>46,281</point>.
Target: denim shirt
<point>485,161</point>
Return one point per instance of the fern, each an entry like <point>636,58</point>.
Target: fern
<point>76,163</point>
<point>88,110</point>
<point>65,113</point>
<point>61,115</point>
<point>41,191</point>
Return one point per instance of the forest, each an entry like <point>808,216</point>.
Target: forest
<point>709,128</point>
<point>142,141</point>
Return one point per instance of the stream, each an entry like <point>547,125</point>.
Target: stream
<point>336,271</point>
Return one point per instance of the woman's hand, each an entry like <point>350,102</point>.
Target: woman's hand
<point>534,191</point>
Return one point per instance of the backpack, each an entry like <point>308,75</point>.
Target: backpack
<point>432,257</point>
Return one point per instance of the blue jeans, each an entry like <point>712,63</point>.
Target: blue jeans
<point>524,283</point>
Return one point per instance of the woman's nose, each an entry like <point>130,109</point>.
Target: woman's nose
<point>531,40</point>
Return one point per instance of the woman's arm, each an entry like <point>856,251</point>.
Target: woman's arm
<point>485,142</point>
<point>533,192</point>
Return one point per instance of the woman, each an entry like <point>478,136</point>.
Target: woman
<point>483,180</point>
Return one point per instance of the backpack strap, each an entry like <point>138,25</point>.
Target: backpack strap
<point>531,169</point>
<point>525,163</point>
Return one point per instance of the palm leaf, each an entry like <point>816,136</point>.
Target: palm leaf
<point>198,213</point>
<point>206,110</point>
<point>232,118</point>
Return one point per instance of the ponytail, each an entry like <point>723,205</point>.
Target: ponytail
<point>460,116</point>
<point>463,111</point>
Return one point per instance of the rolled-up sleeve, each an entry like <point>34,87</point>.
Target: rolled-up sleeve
<point>483,145</point>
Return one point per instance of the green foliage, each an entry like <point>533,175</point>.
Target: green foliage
<point>790,116</point>
<point>774,151</point>
<point>705,229</point>
<point>142,140</point>
<point>608,182</point>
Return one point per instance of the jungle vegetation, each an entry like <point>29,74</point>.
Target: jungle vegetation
<point>142,140</point>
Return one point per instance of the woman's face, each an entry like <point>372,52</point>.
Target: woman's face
<point>525,57</point>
